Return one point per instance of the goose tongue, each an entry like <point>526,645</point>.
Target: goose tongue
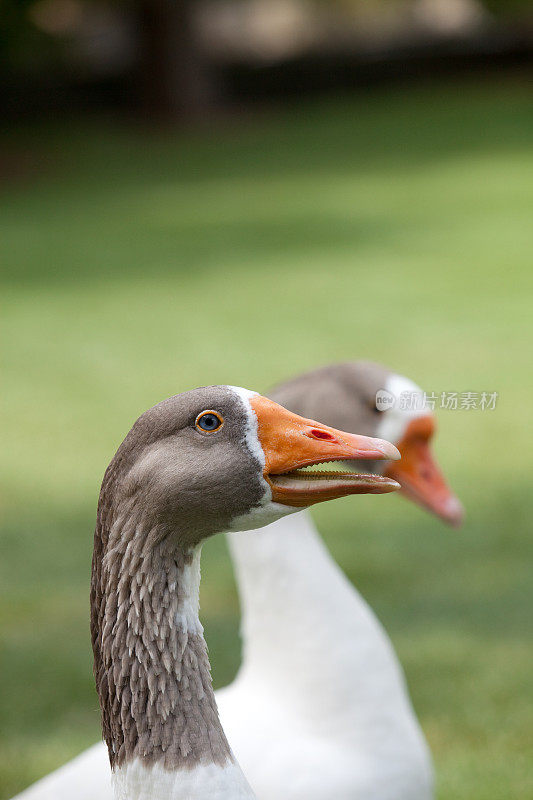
<point>290,442</point>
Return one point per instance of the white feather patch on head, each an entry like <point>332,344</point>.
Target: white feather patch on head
<point>265,511</point>
<point>251,437</point>
<point>393,422</point>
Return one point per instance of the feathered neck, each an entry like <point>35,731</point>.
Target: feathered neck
<point>150,658</point>
<point>306,631</point>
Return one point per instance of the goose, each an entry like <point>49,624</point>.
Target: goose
<point>374,747</point>
<point>214,459</point>
<point>319,674</point>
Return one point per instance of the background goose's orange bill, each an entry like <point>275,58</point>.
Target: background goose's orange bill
<point>419,475</point>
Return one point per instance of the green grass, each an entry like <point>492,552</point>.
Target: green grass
<point>394,226</point>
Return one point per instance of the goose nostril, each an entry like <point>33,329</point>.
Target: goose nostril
<point>316,433</point>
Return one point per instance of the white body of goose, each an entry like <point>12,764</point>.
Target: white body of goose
<point>319,708</point>
<point>319,674</point>
<point>341,725</point>
<point>214,459</point>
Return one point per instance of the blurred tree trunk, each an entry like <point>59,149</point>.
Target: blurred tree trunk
<point>176,81</point>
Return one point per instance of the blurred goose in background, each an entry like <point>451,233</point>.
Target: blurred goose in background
<point>319,708</point>
<point>214,459</point>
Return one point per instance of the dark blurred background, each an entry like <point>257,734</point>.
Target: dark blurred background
<point>234,191</point>
<point>176,59</point>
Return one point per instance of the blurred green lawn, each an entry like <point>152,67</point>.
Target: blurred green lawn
<point>395,226</point>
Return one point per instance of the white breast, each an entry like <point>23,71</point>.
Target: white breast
<point>320,708</point>
<point>204,782</point>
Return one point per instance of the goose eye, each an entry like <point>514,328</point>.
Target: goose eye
<point>209,421</point>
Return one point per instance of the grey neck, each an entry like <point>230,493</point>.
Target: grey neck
<point>151,665</point>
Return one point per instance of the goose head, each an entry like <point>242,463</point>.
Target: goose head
<point>225,458</point>
<point>213,459</point>
<point>345,395</point>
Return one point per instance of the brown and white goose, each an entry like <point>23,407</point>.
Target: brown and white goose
<point>210,460</point>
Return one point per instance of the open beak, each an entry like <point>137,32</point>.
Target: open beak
<point>420,478</point>
<point>291,444</point>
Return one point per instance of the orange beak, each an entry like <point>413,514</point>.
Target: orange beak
<point>291,443</point>
<point>420,478</point>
